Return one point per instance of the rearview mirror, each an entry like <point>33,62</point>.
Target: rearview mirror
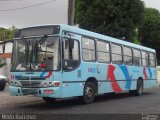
<point>69,43</point>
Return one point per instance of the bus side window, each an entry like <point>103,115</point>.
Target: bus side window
<point>152,61</point>
<point>136,57</point>
<point>116,54</point>
<point>70,54</point>
<point>127,55</point>
<point>103,52</point>
<point>88,49</point>
<point>145,58</point>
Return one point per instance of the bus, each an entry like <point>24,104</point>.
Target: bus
<point>62,61</point>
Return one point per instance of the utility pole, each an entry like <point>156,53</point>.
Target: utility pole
<point>4,36</point>
<point>71,11</point>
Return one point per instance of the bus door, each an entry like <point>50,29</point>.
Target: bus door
<point>71,74</point>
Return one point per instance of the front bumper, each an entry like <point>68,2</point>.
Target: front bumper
<point>18,91</point>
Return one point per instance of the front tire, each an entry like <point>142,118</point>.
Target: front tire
<point>2,85</point>
<point>49,100</point>
<point>88,93</point>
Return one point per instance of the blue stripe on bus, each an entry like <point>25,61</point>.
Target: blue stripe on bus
<point>150,73</point>
<point>42,74</point>
<point>127,77</point>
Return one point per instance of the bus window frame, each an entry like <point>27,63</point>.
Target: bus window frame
<point>128,56</point>
<point>145,59</point>
<point>95,44</point>
<point>152,60</point>
<point>69,70</point>
<point>116,53</point>
<point>103,51</point>
<point>140,56</point>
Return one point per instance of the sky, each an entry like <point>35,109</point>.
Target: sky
<point>38,12</point>
<point>153,4</point>
<point>54,12</point>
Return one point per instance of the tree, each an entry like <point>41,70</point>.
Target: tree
<point>7,34</point>
<point>116,18</point>
<point>150,30</point>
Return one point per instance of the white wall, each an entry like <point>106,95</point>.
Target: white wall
<point>6,69</point>
<point>8,47</point>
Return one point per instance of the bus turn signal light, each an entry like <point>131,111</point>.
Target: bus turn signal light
<point>56,83</point>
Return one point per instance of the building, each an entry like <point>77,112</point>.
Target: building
<point>5,57</point>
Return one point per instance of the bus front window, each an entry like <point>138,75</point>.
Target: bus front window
<point>36,53</point>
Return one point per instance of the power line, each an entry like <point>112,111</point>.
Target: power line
<point>8,0</point>
<point>14,9</point>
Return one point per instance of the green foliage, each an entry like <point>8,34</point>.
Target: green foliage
<point>116,18</point>
<point>150,30</point>
<point>135,37</point>
<point>7,34</point>
<point>2,62</point>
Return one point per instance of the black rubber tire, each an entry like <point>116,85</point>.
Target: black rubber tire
<point>139,89</point>
<point>90,96</point>
<point>2,85</point>
<point>49,100</point>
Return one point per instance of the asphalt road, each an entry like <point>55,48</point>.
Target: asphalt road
<point>117,104</point>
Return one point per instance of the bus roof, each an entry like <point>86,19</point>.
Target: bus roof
<point>97,36</point>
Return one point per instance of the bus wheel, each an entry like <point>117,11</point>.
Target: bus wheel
<point>88,93</point>
<point>139,89</point>
<point>2,85</point>
<point>49,100</point>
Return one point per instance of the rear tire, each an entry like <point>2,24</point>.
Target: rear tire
<point>88,93</point>
<point>2,85</point>
<point>49,100</point>
<point>139,89</point>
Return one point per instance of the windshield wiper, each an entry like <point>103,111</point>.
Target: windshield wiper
<point>26,48</point>
<point>24,40</point>
<point>42,39</point>
<point>36,45</point>
<point>34,50</point>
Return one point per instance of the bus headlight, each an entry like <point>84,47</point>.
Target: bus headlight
<point>43,84</point>
<point>11,83</point>
<point>56,83</point>
<point>15,83</point>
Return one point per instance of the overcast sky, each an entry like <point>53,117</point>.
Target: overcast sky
<point>50,13</point>
<point>53,12</point>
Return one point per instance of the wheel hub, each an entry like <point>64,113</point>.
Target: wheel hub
<point>89,92</point>
<point>140,90</point>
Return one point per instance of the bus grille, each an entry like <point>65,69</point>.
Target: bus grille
<point>30,84</point>
<point>30,91</point>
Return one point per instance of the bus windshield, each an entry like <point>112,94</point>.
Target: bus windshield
<point>36,53</point>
